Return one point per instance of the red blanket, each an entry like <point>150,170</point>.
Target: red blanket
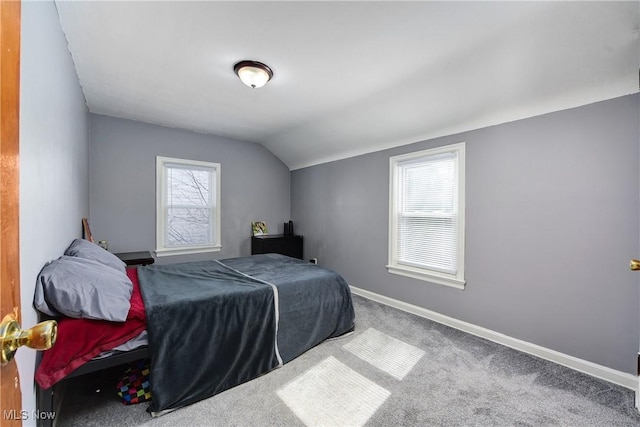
<point>80,340</point>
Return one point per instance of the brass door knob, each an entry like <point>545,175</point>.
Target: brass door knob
<point>40,337</point>
<point>634,264</point>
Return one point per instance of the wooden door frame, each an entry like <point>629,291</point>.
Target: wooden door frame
<point>10,389</point>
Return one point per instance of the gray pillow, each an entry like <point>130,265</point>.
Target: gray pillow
<point>83,288</point>
<point>85,249</point>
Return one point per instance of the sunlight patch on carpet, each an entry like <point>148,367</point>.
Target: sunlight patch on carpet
<point>389,354</point>
<point>332,394</point>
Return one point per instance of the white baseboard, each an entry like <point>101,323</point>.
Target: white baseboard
<point>617,377</point>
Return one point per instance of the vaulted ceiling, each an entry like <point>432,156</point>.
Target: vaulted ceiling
<point>349,77</point>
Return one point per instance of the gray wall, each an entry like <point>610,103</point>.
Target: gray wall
<point>255,184</point>
<point>54,161</point>
<point>552,221</point>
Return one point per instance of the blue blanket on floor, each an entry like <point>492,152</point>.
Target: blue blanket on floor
<point>216,324</point>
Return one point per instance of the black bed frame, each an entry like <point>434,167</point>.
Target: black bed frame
<point>46,401</point>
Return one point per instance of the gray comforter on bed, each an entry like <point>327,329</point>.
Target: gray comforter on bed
<point>215,324</point>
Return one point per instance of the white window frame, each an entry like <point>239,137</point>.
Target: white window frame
<point>456,280</point>
<point>162,249</point>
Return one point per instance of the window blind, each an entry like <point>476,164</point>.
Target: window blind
<point>427,223</point>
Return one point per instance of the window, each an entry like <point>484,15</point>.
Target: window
<point>426,219</point>
<point>187,206</point>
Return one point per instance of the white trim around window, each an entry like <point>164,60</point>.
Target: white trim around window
<point>199,203</point>
<point>427,215</point>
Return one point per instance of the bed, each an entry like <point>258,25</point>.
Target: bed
<point>211,325</point>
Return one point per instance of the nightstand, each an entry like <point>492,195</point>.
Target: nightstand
<point>277,243</point>
<point>136,258</point>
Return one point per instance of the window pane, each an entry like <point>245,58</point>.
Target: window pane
<point>428,242</point>
<point>429,186</point>
<point>188,187</point>
<point>188,226</point>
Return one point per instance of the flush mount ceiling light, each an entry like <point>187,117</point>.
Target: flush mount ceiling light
<point>253,73</point>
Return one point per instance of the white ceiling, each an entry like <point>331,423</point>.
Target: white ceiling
<point>349,77</point>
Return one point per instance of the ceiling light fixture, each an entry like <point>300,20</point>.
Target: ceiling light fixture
<point>253,73</point>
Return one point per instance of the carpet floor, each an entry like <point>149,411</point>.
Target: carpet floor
<point>394,369</point>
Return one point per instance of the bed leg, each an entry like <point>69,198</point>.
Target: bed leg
<point>44,399</point>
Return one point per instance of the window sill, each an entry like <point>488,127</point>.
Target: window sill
<point>427,277</point>
<point>187,251</point>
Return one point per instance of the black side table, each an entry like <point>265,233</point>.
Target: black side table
<point>289,245</point>
<point>136,258</point>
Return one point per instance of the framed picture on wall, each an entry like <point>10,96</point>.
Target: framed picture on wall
<point>259,228</point>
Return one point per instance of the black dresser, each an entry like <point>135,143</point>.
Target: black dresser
<point>277,244</point>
